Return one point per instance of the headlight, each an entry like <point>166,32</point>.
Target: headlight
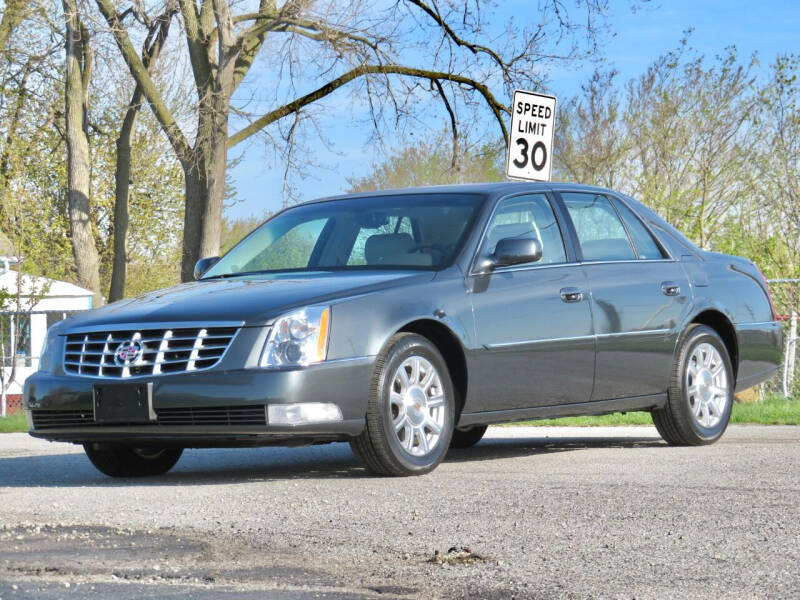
<point>299,338</point>
<point>48,357</point>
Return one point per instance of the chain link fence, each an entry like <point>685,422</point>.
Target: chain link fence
<point>786,295</point>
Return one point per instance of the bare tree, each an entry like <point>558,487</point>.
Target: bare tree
<point>453,60</point>
<point>690,134</point>
<point>76,97</point>
<point>157,31</point>
<point>16,308</point>
<point>775,185</point>
<point>13,15</point>
<point>590,140</point>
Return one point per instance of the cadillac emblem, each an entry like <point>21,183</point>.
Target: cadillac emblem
<point>127,353</point>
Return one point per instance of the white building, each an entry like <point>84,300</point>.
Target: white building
<point>23,324</point>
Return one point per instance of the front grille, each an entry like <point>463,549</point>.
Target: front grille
<point>49,419</point>
<point>154,351</point>
<point>213,415</point>
<point>252,414</point>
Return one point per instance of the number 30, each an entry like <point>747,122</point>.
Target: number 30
<point>523,160</point>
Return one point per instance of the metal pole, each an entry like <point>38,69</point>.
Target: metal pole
<point>791,354</point>
<point>12,340</point>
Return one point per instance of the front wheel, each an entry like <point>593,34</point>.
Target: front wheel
<point>700,393</point>
<point>126,461</point>
<point>410,411</point>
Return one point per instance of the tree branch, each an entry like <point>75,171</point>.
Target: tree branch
<point>453,122</point>
<point>142,76</point>
<point>329,33</point>
<point>269,18</point>
<point>197,43</point>
<point>13,15</point>
<point>496,107</point>
<point>251,40</point>
<point>474,48</point>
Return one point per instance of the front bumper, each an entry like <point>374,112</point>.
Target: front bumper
<point>206,408</point>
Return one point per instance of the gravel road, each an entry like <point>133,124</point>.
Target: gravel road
<point>543,512</point>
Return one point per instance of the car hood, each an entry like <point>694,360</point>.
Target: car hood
<point>252,300</point>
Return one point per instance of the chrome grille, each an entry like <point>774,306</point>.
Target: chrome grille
<point>162,351</point>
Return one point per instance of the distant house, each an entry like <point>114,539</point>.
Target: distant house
<point>24,323</point>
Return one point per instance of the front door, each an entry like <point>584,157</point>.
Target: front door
<point>533,322</point>
<point>639,295</point>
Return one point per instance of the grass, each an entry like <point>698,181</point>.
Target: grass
<point>12,423</point>
<point>774,410</point>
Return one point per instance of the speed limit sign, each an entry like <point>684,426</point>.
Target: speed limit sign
<point>530,151</point>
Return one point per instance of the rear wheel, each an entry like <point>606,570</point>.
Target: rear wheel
<point>127,461</point>
<point>410,409</point>
<point>466,438</point>
<point>701,391</point>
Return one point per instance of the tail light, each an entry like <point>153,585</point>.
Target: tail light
<point>769,293</point>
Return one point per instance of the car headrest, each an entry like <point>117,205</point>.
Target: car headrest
<point>393,249</point>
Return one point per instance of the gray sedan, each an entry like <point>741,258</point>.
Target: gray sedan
<point>407,321</point>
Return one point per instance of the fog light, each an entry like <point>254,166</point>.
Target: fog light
<point>306,412</point>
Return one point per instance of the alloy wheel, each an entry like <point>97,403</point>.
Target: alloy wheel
<point>417,406</point>
<point>707,387</point>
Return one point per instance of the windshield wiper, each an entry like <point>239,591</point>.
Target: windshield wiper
<point>259,272</point>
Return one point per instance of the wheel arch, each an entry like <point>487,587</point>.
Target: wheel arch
<point>719,322</point>
<point>452,350</point>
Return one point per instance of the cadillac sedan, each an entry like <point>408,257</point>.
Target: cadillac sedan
<point>407,321</point>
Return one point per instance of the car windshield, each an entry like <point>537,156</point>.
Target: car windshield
<point>418,231</point>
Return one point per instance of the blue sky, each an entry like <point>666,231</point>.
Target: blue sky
<point>769,27</point>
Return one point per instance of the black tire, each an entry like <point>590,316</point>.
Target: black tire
<point>378,446</point>
<point>127,461</point>
<point>676,422</point>
<point>467,438</point>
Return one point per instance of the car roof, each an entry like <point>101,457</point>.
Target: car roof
<point>488,189</point>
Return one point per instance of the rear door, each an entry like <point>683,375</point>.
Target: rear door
<point>533,322</point>
<point>638,296</point>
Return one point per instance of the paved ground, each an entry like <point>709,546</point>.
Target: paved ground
<point>545,512</point>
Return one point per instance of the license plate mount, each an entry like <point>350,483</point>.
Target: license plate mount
<point>124,403</point>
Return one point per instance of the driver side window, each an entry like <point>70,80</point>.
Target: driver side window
<point>527,217</point>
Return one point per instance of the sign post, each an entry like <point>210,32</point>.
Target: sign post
<point>530,151</point>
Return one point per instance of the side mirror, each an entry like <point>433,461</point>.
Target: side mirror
<point>516,251</point>
<point>203,265</point>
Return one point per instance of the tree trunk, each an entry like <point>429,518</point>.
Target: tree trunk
<point>122,172</point>
<point>203,213</point>
<point>13,15</point>
<point>196,193</point>
<point>205,188</point>
<point>205,178</point>
<point>216,169</point>
<point>78,69</point>
<point>122,178</point>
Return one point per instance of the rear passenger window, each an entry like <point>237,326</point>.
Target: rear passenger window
<point>646,246</point>
<point>527,217</point>
<point>600,232</point>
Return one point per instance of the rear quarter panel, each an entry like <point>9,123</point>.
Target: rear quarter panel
<point>735,288</point>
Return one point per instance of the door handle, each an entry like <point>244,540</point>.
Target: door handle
<point>670,288</point>
<point>571,294</point>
